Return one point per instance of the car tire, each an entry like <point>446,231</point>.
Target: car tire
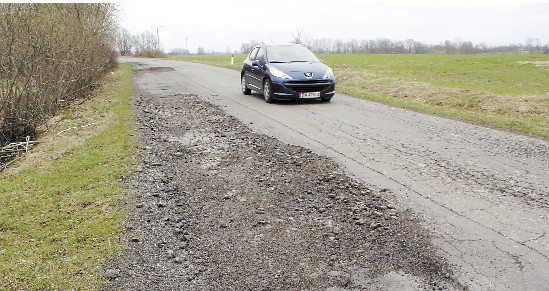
<point>268,91</point>
<point>245,89</point>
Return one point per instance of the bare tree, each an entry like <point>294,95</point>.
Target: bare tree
<point>125,42</point>
<point>466,47</point>
<point>449,47</point>
<point>409,45</point>
<point>385,45</point>
<point>300,37</point>
<point>533,44</point>
<point>364,46</point>
<point>146,41</point>
<point>338,46</point>
<point>247,46</point>
<point>147,45</point>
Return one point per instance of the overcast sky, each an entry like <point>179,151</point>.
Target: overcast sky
<point>222,25</point>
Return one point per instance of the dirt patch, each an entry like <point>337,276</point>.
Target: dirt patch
<point>138,67</point>
<point>159,69</point>
<point>219,207</point>
<point>536,63</point>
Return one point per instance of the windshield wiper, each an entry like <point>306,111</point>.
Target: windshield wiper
<point>299,61</point>
<point>277,62</point>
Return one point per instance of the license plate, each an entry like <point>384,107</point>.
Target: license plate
<point>310,95</point>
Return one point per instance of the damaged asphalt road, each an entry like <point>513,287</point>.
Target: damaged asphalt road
<point>220,207</point>
<point>233,193</point>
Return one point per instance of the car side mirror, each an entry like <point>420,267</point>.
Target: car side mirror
<point>255,63</point>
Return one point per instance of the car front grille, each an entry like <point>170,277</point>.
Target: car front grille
<point>308,86</point>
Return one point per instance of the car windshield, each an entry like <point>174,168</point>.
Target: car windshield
<point>289,54</point>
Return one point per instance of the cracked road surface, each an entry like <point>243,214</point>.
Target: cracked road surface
<point>482,193</point>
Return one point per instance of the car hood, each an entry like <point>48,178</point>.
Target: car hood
<point>296,70</point>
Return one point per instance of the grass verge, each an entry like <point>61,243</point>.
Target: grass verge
<point>60,215</point>
<point>509,91</point>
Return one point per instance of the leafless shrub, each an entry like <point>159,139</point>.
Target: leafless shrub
<point>50,55</point>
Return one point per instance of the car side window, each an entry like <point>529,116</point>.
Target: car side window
<point>253,54</point>
<point>261,55</point>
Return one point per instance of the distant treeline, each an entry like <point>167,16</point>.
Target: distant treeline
<point>50,55</point>
<point>409,46</point>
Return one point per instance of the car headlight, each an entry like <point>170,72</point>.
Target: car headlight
<point>278,73</point>
<point>329,74</point>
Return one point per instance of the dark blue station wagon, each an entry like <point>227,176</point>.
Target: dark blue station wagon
<point>286,72</point>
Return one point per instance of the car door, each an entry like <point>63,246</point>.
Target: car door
<point>250,71</point>
<point>259,70</point>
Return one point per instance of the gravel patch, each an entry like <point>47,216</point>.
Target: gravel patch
<point>219,207</point>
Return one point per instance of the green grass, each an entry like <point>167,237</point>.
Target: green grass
<point>509,91</point>
<point>60,216</point>
<point>495,73</point>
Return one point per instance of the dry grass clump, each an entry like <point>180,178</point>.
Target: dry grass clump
<point>528,113</point>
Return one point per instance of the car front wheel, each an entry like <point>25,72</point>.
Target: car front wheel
<point>245,89</point>
<point>267,91</point>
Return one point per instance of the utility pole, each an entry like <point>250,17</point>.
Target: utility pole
<point>157,37</point>
<point>186,44</point>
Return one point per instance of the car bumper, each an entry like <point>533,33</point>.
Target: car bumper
<point>292,90</point>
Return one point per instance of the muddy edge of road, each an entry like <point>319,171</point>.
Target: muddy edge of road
<point>216,206</point>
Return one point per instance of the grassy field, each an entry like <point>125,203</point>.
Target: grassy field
<point>60,215</point>
<point>503,90</point>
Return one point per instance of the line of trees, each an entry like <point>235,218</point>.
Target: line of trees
<point>409,46</point>
<point>146,44</point>
<point>50,55</point>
